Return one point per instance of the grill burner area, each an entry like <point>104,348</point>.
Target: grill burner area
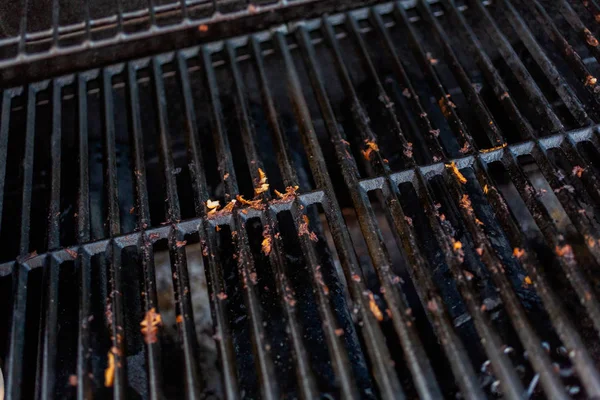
<point>407,208</point>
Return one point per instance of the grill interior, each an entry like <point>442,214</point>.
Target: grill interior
<point>435,233</point>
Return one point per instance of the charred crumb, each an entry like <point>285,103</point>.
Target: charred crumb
<point>577,171</point>
<point>150,325</point>
<point>371,147</point>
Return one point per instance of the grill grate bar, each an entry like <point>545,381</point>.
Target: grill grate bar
<point>566,50</point>
<point>563,89</point>
<point>304,375</point>
<point>143,213</point>
<point>339,357</point>
<point>573,19</point>
<point>465,140</point>
<point>177,253</point>
<point>414,353</point>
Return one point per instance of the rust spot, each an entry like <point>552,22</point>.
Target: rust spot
<point>180,243</point>
<point>72,253</point>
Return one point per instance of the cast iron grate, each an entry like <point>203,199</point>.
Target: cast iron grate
<point>442,240</point>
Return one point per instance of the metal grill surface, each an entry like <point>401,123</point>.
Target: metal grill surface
<point>434,234</point>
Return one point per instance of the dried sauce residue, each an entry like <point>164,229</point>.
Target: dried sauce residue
<point>150,325</point>
<point>461,178</point>
<point>263,186</point>
<point>371,147</point>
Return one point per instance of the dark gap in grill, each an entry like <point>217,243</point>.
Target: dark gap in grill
<point>35,281</point>
<point>13,185</point>
<point>68,315</point>
<point>96,162</point>
<point>153,162</point>
<point>123,146</point>
<point>69,167</point>
<point>6,296</point>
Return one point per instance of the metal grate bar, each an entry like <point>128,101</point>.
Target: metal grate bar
<point>465,140</point>
<point>143,213</point>
<point>593,8</point>
<point>566,50</point>
<point>338,356</point>
<point>563,89</point>
<point>305,377</point>
<point>578,26</point>
<point>181,281</point>
<point>418,361</point>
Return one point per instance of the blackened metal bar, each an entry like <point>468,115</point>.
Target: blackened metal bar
<point>150,298</point>
<point>21,50</point>
<point>588,177</point>
<point>414,353</point>
<point>454,349</point>
<point>181,281</point>
<point>55,22</point>
<point>110,153</point>
<point>537,355</point>
<point>584,75</point>
<point>578,26</point>
<point>84,384</point>
<point>214,272</point>
<point>594,9</point>
<point>430,134</point>
<point>490,72</point>
<point>152,12</point>
<point>269,387</point>
<point>492,343</point>
<point>83,261</point>
<point>463,137</point>
<point>564,90</point>
<point>555,241</point>
<point>14,359</point>
<point>540,103</point>
<point>567,332</point>
<point>354,31</point>
<point>337,353</point>
<point>304,375</point>
<point>116,319</point>
<point>7,96</point>
<point>480,111</point>
<point>173,212</point>
<point>83,201</point>
<point>285,162</point>
<point>569,201</point>
<point>48,345</point>
<point>385,376</point>
<point>28,170</point>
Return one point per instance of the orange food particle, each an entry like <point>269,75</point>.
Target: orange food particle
<point>73,380</point>
<point>222,295</point>
<point>109,372</point>
<point>590,80</point>
<point>375,308</point>
<point>266,245</point>
<point>518,252</point>
<point>371,147</point>
<point>578,171</point>
<point>179,319</point>
<point>213,206</point>
<point>565,250</point>
<point>452,166</point>
<point>290,193</point>
<point>72,253</point>
<point>527,280</point>
<point>180,243</point>
<point>339,332</point>
<point>203,28</point>
<point>150,325</point>
<point>263,186</point>
<point>457,245</point>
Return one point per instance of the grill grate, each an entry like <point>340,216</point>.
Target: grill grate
<point>442,241</point>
